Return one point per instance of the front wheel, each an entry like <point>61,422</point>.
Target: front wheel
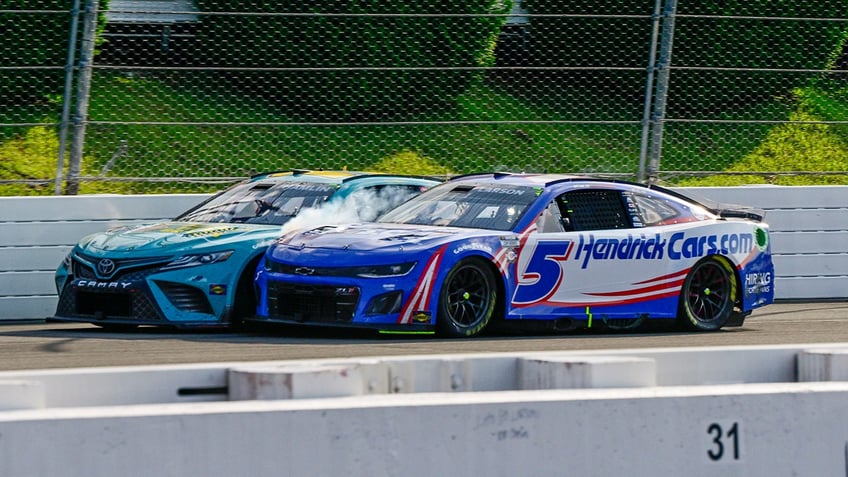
<point>467,299</point>
<point>708,295</point>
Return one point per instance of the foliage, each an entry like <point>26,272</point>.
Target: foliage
<point>43,31</point>
<point>806,144</point>
<point>751,43</point>
<point>583,37</point>
<point>462,139</point>
<point>44,26</point>
<point>726,35</point>
<point>33,157</point>
<point>380,49</point>
<point>410,162</point>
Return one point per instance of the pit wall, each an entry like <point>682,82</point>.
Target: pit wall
<point>726,411</point>
<point>809,227</point>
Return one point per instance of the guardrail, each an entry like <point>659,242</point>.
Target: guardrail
<point>809,232</point>
<point>710,411</point>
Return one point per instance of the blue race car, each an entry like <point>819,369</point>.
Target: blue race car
<point>559,252</point>
<point>197,270</point>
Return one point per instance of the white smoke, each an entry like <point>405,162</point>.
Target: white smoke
<point>363,205</point>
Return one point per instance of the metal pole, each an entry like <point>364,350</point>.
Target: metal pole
<point>662,90</point>
<point>83,92</point>
<point>66,98</point>
<point>649,90</point>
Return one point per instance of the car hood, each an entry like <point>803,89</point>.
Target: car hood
<point>171,237</point>
<point>365,239</point>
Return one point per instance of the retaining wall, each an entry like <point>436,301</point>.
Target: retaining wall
<point>743,411</point>
<point>809,236</point>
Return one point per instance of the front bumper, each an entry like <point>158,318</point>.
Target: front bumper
<point>334,301</point>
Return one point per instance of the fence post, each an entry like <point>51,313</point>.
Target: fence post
<point>83,91</point>
<point>661,94</point>
<point>66,97</point>
<point>649,93</point>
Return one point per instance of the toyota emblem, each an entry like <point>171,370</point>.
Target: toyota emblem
<point>105,267</point>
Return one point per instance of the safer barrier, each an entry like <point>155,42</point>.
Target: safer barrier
<point>699,411</point>
<point>809,231</point>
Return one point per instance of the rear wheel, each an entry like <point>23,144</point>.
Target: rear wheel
<point>467,299</point>
<point>708,295</point>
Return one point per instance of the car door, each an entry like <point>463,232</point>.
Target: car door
<point>590,253</point>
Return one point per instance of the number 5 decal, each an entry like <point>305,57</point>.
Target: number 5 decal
<point>543,273</point>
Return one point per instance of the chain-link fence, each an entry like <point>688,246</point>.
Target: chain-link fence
<point>185,95</point>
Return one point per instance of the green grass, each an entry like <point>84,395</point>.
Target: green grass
<point>808,152</point>
<point>495,125</point>
<point>477,143</point>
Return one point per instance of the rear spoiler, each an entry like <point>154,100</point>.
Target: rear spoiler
<point>726,211</point>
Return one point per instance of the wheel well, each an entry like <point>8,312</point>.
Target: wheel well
<point>245,298</point>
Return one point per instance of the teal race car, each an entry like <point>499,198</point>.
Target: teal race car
<point>197,271</point>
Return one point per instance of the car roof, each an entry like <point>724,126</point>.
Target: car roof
<point>546,180</point>
<point>549,179</point>
<point>526,179</point>
<point>335,176</point>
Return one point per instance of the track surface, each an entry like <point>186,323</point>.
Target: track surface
<point>59,345</point>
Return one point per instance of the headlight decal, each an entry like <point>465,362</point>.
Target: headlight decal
<point>195,260</point>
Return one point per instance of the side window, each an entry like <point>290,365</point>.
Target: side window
<point>594,209</point>
<point>550,220</point>
<point>658,211</point>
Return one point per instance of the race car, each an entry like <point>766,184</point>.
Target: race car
<point>197,270</point>
<point>555,252</point>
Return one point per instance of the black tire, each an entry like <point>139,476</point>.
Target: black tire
<point>244,305</point>
<point>708,295</point>
<point>467,299</point>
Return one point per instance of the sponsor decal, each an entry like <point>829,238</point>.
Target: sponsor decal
<point>217,289</point>
<point>195,230</point>
<point>762,238</point>
<point>473,246</point>
<point>758,282</point>
<point>310,187</point>
<point>499,190</point>
<point>626,248</point>
<point>103,285</point>
<point>213,232</point>
<point>510,241</point>
<point>178,229</point>
<point>679,246</point>
<point>421,317</point>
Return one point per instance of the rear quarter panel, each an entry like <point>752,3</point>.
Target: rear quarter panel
<point>633,272</point>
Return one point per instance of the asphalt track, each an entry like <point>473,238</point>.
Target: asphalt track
<point>60,345</point>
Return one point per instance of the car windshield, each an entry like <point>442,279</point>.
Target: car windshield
<point>268,203</point>
<point>482,206</point>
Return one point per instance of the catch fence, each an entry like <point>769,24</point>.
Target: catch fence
<point>186,95</point>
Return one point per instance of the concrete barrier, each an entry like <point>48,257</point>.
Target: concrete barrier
<point>694,411</point>
<point>809,227</point>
